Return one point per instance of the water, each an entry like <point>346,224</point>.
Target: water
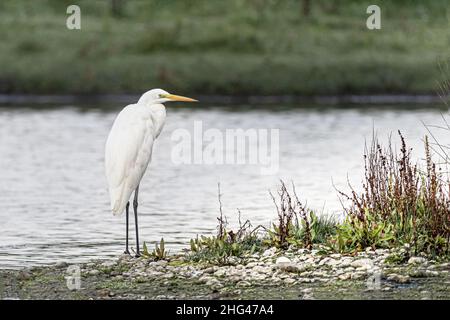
<point>54,202</point>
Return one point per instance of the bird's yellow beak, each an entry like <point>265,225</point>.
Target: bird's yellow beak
<point>174,97</point>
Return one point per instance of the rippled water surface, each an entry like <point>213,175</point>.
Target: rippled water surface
<point>54,201</point>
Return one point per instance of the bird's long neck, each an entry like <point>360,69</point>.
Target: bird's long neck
<point>159,117</point>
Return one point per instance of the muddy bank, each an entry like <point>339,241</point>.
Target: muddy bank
<point>292,274</point>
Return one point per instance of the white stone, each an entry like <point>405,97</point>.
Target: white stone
<point>214,283</point>
<point>362,263</point>
<point>275,279</point>
<point>381,251</point>
<point>160,263</point>
<point>302,267</point>
<point>261,269</point>
<point>417,260</point>
<point>324,261</point>
<point>269,252</point>
<point>243,284</point>
<point>432,273</point>
<point>94,272</point>
<point>205,279</point>
<point>345,262</point>
<point>283,262</point>
<point>333,262</point>
<point>398,278</point>
<point>219,273</point>
<point>344,276</point>
<point>209,270</point>
<point>108,264</point>
<point>289,281</point>
<point>259,277</point>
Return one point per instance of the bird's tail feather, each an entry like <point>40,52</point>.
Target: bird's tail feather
<point>118,202</point>
<point>117,208</point>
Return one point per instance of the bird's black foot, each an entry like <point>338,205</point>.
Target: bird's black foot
<point>137,255</point>
<point>127,252</point>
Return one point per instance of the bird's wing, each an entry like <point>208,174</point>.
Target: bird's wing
<point>127,154</point>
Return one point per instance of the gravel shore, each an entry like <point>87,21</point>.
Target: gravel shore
<point>273,274</point>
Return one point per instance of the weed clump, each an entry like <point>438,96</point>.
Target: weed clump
<point>399,204</point>
<point>219,249</point>
<point>297,225</point>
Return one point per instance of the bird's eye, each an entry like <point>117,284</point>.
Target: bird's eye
<point>161,95</point>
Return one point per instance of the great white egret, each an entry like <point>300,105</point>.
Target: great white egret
<point>128,150</point>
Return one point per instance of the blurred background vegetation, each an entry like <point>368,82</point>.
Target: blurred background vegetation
<point>235,47</point>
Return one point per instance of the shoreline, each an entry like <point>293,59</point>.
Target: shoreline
<point>272,274</point>
<point>396,99</point>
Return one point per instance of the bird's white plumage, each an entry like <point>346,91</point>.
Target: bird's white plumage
<point>129,147</point>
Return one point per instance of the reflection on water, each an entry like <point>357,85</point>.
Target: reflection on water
<point>54,202</point>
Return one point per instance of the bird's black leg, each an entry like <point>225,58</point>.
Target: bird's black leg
<point>126,217</point>
<point>135,206</point>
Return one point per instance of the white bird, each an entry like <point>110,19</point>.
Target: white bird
<point>129,147</point>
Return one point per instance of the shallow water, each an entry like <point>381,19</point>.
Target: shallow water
<point>54,201</point>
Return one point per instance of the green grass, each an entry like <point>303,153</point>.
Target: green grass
<point>227,47</point>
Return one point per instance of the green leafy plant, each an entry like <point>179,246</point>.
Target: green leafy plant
<point>219,250</point>
<point>356,235</point>
<point>159,253</point>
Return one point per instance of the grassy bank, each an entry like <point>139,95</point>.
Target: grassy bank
<point>235,47</point>
<point>392,244</point>
<point>401,202</point>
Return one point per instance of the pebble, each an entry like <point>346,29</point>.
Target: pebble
<point>362,263</point>
<point>243,283</point>
<point>108,264</point>
<point>93,272</point>
<point>417,260</point>
<point>432,273</point>
<point>209,270</point>
<point>345,276</point>
<point>325,261</point>
<point>220,273</point>
<point>398,278</point>
<point>269,252</point>
<point>283,263</point>
<point>62,264</point>
<point>289,281</point>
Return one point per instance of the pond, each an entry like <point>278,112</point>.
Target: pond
<point>53,192</point>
